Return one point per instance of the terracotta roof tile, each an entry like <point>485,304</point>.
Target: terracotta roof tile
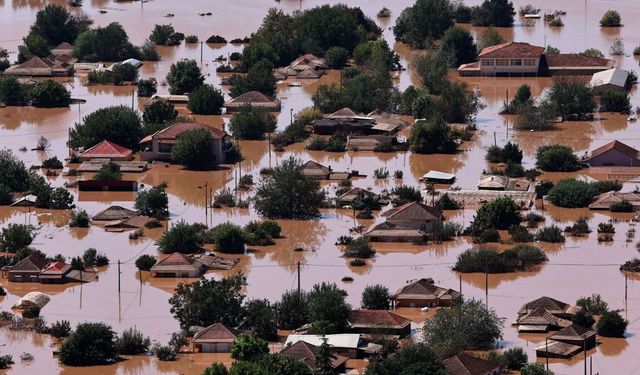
<point>577,60</point>
<point>424,288</point>
<point>465,364</point>
<point>618,146</point>
<point>215,332</point>
<point>306,353</point>
<point>413,211</point>
<point>377,318</point>
<point>253,97</point>
<point>174,131</point>
<point>106,149</point>
<point>512,50</point>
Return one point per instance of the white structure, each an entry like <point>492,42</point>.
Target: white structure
<point>609,80</point>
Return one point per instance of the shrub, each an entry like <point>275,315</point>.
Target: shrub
<point>571,99</point>
<point>384,13</point>
<point>376,297</point>
<point>80,219</point>
<point>592,52</point>
<point>516,358</point>
<point>145,262</point>
<point>132,342</point>
<point>615,101</point>
<point>229,238</point>
<point>519,257</point>
<point>153,202</point>
<point>488,235</point>
<point>404,194</point>
<point>147,87</point>
<point>520,234</point>
<point>359,248</point>
<point>622,206</point>
<point>6,361</point>
<point>444,232</point>
<point>52,163</point>
<point>556,22</point>
<point>164,35</point>
<point>551,234</point>
<point>181,237</point>
<point>191,39</point>
<point>252,123</point>
<point>611,324</point>
<point>594,304</point>
<point>611,18</point>
<point>49,93</point>
<point>557,158</point>
<point>195,149</point>
<point>165,353</point>
<point>336,57</point>
<point>535,369</point>
<point>447,203</point>
<point>384,146</point>
<point>432,136</point>
<point>119,124</point>
<point>184,77</point>
<point>571,193</point>
<point>11,91</point>
<point>90,343</point>
<point>109,172</point>
<point>580,227</point>
<point>216,39</point>
<point>259,77</point>
<point>583,318</point>
<point>206,100</point>
<point>16,237</point>
<point>500,213</point>
<point>606,228</point>
<point>60,329</point>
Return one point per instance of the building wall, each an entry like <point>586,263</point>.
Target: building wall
<point>163,151</point>
<point>24,277</point>
<point>424,225</point>
<point>492,66</point>
<point>422,303</point>
<point>608,87</point>
<point>219,347</point>
<point>613,158</point>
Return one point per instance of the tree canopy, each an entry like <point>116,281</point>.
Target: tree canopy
<point>497,13</point>
<point>206,100</point>
<point>424,22</point>
<point>89,344</point>
<point>153,202</point>
<point>376,297</point>
<point>328,308</point>
<point>500,213</point>
<point>252,123</point>
<point>118,124</point>
<point>459,42</point>
<point>259,78</point>
<point>49,93</point>
<point>182,237</point>
<point>56,25</point>
<point>184,77</point>
<point>195,149</point>
<point>109,43</point>
<point>557,158</point>
<point>411,359</point>
<point>432,136</point>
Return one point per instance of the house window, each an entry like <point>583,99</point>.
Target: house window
<point>516,62</point>
<point>530,62</point>
<point>502,62</point>
<point>488,62</point>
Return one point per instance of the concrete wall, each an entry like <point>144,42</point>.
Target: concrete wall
<point>613,158</point>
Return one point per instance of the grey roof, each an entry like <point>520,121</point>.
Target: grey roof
<point>615,76</point>
<point>341,340</point>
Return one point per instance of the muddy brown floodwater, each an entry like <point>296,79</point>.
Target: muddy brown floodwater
<point>577,268</point>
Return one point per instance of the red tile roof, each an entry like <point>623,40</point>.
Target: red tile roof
<point>216,332</point>
<point>618,146</point>
<point>177,129</point>
<point>306,353</point>
<point>32,263</point>
<point>568,60</point>
<point>253,97</point>
<point>381,318</point>
<point>512,50</point>
<point>344,113</point>
<point>424,288</point>
<point>465,364</point>
<point>413,211</point>
<point>106,149</point>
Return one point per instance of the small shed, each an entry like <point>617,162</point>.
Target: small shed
<point>32,300</point>
<point>557,349</point>
<point>608,80</point>
<point>439,177</point>
<point>28,200</point>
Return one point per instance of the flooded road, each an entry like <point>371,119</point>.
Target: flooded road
<point>578,268</point>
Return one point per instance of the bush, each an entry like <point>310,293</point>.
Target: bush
<point>80,219</point>
<point>583,318</point>
<point>632,265</point>
<point>606,228</point>
<point>571,99</point>
<point>446,231</point>
<point>424,21</point>
<point>49,93</point>
<point>153,203</point>
<point>191,39</point>
<point>535,369</point>
<point>580,227</point>
<point>556,22</point>
<point>164,35</point>
<point>16,237</point>
<point>145,262</point>
<point>60,329</point>
<point>615,101</point>
<point>181,237</point>
<point>551,234</point>
<point>376,297</point>
<point>336,57</point>
<point>488,235</point>
<point>249,348</point>
<point>359,248</point>
<point>611,18</point>
<point>195,149</point>
<point>206,100</point>
<point>622,206</point>
<point>594,304</point>
<point>165,353</point>
<point>109,172</point>
<point>384,13</point>
<point>497,13</point>
<point>501,213</point>
<point>384,146</point>
<point>147,87</point>
<point>6,361</point>
<point>184,77</point>
<point>557,158</point>
<point>433,136</point>
<point>611,324</point>
<point>520,234</point>
<point>52,163</point>
<point>119,124</point>
<point>404,194</point>
<point>259,77</point>
<point>516,358</point>
<point>109,43</point>
<point>571,193</point>
<point>90,343</point>
<point>520,257</point>
<point>447,203</point>
<point>229,238</point>
<point>216,39</point>
<point>132,342</point>
<point>252,123</point>
<point>124,73</point>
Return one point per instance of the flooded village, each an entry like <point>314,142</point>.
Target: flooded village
<point>309,187</point>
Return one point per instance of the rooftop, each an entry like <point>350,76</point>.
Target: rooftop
<point>106,149</point>
<point>465,364</point>
<point>512,50</point>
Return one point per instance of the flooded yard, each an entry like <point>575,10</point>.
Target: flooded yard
<point>579,267</point>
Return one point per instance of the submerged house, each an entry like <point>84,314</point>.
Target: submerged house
<point>307,354</point>
<point>106,150</point>
<point>158,145</point>
<point>344,120</point>
<point>466,364</point>
<point>307,66</point>
<point>613,154</point>
<point>35,268</point>
<point>317,171</point>
<point>605,200</point>
<point>497,182</point>
<point>379,322</point>
<point>410,222</point>
<point>348,197</point>
<point>52,66</point>
<point>540,320</point>
<point>517,58</point>
<point>567,342</point>
<point>609,80</point>
<point>114,213</point>
<point>178,265</point>
<point>27,270</point>
<point>348,345</point>
<point>424,293</point>
<point>254,99</point>
<point>216,338</point>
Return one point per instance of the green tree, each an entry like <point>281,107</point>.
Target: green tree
<point>109,172</point>
<point>411,359</point>
<point>490,37</point>
<point>34,44</point>
<point>16,237</point>
<point>49,93</point>
<point>465,325</point>
<point>259,78</point>
<point>327,304</point>
<point>118,124</point>
<point>158,115</point>
<point>60,199</point>
<point>183,238</point>
<point>288,194</point>
<point>611,18</point>
<point>571,193</point>
<point>11,92</point>
<point>516,358</point>
<point>147,87</point>
<point>56,24</point>
<point>324,359</point>
<point>293,309</point>
<point>432,136</point>
<point>164,35</point>
<point>557,158</point>
<point>583,318</point>
<point>261,316</point>
<point>206,100</point>
<point>497,13</point>
<point>501,213</point>
<point>215,369</point>
<point>109,43</point>
<point>432,68</point>
<point>459,42</point>
<point>425,21</point>
<point>89,344</point>
<point>229,238</point>
<point>132,342</point>
<point>336,57</point>
<point>571,99</point>
<point>611,324</point>
<point>153,202</point>
<point>535,369</point>
<point>195,149</point>
<point>277,364</point>
<point>184,77</point>
<point>145,262</point>
<point>208,301</point>
<point>615,101</point>
<point>252,123</point>
<point>249,348</point>
<point>376,297</point>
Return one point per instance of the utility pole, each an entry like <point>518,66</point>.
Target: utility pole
<point>625,287</point>
<point>495,142</point>
<point>119,298</point>
<point>546,351</point>
<point>201,44</point>
<point>269,144</point>
<point>133,95</point>
<point>486,288</point>
<point>584,349</point>
<point>298,277</point>
<point>291,117</point>
<point>460,277</point>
